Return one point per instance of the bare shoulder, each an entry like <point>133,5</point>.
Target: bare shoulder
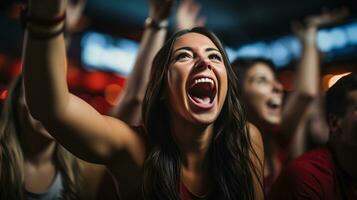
<point>257,157</point>
<point>256,142</point>
<point>255,135</point>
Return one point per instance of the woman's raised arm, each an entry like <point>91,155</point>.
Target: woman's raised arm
<point>156,25</point>
<point>308,73</point>
<point>73,122</point>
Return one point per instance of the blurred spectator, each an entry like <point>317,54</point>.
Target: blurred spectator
<point>330,172</point>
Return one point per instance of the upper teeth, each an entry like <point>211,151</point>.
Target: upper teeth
<point>204,80</point>
<point>275,102</point>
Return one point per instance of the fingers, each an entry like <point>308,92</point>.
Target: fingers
<point>166,9</point>
<point>201,21</point>
<point>160,9</point>
<point>188,15</point>
<point>48,8</point>
<point>327,17</point>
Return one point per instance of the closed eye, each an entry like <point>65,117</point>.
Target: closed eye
<point>261,79</point>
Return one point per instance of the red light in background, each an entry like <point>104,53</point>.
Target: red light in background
<point>286,78</point>
<point>111,93</point>
<point>15,68</point>
<point>3,60</point>
<point>74,77</point>
<point>3,95</point>
<point>95,81</point>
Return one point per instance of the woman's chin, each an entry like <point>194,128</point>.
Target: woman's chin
<point>273,122</point>
<point>204,118</point>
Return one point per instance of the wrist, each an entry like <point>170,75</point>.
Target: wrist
<point>156,24</point>
<point>42,27</point>
<point>44,32</point>
<point>310,35</point>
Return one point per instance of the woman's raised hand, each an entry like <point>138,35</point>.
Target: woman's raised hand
<point>159,10</point>
<point>187,15</point>
<point>313,22</point>
<point>47,9</point>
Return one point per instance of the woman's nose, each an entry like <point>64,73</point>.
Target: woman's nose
<point>277,87</point>
<point>204,63</point>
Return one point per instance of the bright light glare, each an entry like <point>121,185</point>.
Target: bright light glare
<point>335,78</point>
<point>100,52</point>
<point>103,52</point>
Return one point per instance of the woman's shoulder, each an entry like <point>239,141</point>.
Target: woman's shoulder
<point>254,133</point>
<point>257,145</point>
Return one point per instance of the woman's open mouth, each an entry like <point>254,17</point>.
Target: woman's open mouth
<point>274,105</point>
<point>202,92</point>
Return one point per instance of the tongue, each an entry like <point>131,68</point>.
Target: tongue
<point>203,100</point>
<point>201,93</point>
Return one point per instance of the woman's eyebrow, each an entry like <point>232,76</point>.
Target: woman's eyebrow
<point>190,49</point>
<point>212,49</point>
<point>182,48</point>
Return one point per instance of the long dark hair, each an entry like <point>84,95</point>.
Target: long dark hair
<point>12,157</point>
<point>229,154</point>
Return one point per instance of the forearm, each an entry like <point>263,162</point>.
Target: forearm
<point>129,106</point>
<point>308,69</point>
<point>45,75</point>
<point>306,84</point>
<point>298,144</point>
<point>47,96</point>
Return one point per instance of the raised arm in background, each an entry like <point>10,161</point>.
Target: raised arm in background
<point>130,101</point>
<point>74,12</point>
<point>307,82</point>
<point>187,15</point>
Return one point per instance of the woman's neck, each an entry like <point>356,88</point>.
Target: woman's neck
<point>38,153</point>
<point>193,141</point>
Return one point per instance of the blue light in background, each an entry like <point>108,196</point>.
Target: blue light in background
<point>230,53</point>
<point>324,41</point>
<point>280,54</point>
<point>104,52</point>
<point>339,38</point>
<point>253,50</point>
<point>351,32</point>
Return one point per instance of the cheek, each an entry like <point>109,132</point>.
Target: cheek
<point>254,98</point>
<point>175,86</point>
<point>224,82</point>
<point>174,77</point>
<point>351,125</point>
<point>254,93</point>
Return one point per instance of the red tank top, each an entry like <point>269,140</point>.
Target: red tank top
<point>185,194</point>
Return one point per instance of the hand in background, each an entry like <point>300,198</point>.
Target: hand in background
<point>159,10</point>
<point>48,9</point>
<point>187,15</point>
<point>74,13</point>
<point>313,22</point>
